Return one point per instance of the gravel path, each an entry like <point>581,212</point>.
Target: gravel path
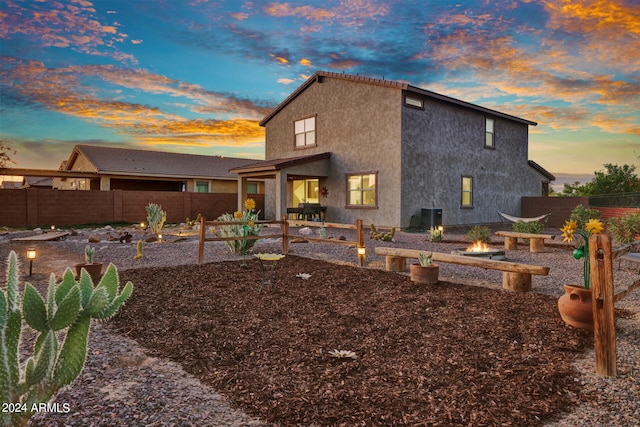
<point>122,386</point>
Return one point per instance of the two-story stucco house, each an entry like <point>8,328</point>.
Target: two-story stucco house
<point>382,151</point>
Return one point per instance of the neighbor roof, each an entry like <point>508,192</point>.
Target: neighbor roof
<point>320,75</point>
<point>125,161</point>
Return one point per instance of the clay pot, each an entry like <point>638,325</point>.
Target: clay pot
<point>425,275</point>
<point>576,308</point>
<point>94,270</point>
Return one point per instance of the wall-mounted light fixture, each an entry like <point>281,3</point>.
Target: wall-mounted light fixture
<point>31,255</point>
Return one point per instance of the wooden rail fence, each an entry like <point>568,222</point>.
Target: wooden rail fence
<point>285,236</point>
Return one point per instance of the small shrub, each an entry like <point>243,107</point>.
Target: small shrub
<point>156,217</point>
<point>582,215</point>
<point>436,234</point>
<point>624,229</point>
<point>533,227</point>
<point>479,233</point>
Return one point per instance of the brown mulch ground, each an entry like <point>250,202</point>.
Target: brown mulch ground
<point>443,355</point>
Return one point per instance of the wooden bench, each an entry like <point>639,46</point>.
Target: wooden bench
<point>536,241</point>
<point>515,276</point>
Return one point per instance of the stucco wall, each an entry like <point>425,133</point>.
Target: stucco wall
<point>360,125</point>
<point>442,143</point>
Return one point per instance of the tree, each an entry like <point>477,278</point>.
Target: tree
<point>5,154</point>
<point>613,180</point>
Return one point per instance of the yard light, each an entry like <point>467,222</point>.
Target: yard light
<point>362,256</point>
<point>31,255</point>
<point>142,225</point>
<point>160,237</point>
<point>53,227</point>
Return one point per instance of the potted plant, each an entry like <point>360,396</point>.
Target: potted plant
<point>93,268</point>
<point>575,306</point>
<point>425,271</point>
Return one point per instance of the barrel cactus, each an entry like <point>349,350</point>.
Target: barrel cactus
<point>69,306</point>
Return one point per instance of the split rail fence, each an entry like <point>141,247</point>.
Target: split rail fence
<point>601,257</point>
<point>284,225</point>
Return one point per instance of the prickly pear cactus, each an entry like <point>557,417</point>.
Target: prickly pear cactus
<point>69,305</point>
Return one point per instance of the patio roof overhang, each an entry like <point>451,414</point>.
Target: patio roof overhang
<point>294,165</point>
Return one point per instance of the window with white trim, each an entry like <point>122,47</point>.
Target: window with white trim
<point>362,190</point>
<point>305,132</point>
<point>466,199</point>
<point>414,102</point>
<point>489,134</point>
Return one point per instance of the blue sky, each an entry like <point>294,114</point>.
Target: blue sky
<point>196,76</point>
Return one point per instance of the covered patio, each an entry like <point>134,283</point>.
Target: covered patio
<point>294,181</point>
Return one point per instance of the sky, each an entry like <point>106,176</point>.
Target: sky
<point>197,76</point>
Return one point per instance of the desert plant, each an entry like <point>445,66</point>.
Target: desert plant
<point>67,310</point>
<point>425,259</point>
<point>534,227</point>
<point>479,233</point>
<point>156,217</point>
<point>624,229</point>
<point>245,226</point>
<point>89,252</point>
<point>436,234</point>
<point>582,215</point>
<point>139,250</point>
<point>382,236</point>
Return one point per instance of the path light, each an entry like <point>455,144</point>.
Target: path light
<point>31,255</point>
<point>160,237</point>
<point>53,227</point>
<point>362,256</point>
<point>142,225</point>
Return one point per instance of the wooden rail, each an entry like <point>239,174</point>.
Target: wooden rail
<point>536,241</point>
<point>285,236</point>
<point>515,276</point>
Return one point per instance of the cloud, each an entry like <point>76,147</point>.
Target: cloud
<point>72,25</point>
<point>62,90</point>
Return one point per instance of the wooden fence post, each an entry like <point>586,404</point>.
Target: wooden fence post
<point>201,241</point>
<point>285,233</point>
<point>604,324</point>
<point>360,248</point>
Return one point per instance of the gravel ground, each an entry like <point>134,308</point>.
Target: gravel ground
<point>121,386</point>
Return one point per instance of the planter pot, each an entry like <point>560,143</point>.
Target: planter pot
<point>425,275</point>
<point>94,270</point>
<point>576,308</point>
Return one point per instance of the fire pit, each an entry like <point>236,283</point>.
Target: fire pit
<point>480,250</point>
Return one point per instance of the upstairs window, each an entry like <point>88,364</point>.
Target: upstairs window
<point>489,135</point>
<point>466,199</point>
<point>414,102</point>
<point>361,190</point>
<point>305,131</point>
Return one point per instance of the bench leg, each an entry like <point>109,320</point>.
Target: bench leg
<point>536,245</point>
<point>396,263</point>
<point>520,282</point>
<point>511,243</point>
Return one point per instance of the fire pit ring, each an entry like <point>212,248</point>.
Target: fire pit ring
<point>489,253</point>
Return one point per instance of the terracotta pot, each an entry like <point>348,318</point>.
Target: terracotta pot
<point>425,275</point>
<point>94,270</point>
<point>576,308</point>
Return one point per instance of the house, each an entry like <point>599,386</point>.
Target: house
<point>384,151</point>
<point>130,169</point>
<point>37,181</point>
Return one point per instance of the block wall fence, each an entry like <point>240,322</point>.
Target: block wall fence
<point>560,208</point>
<point>37,207</point>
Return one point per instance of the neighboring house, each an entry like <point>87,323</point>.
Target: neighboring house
<point>129,169</point>
<point>37,181</point>
<point>382,151</point>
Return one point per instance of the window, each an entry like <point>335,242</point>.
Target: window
<point>489,136</point>
<point>305,191</point>
<point>467,192</point>
<point>202,187</point>
<point>361,190</point>
<point>252,188</point>
<point>414,102</point>
<point>305,131</point>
